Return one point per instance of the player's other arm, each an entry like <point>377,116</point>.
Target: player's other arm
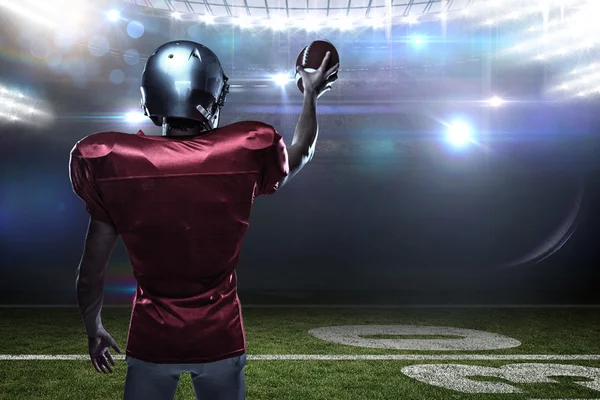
<point>99,244</point>
<point>302,149</point>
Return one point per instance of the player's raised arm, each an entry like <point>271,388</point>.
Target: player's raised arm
<point>302,149</point>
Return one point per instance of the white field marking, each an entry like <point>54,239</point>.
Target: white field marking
<point>457,377</point>
<point>470,339</point>
<point>337,306</point>
<point>343,357</point>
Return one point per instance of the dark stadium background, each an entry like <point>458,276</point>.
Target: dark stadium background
<point>386,212</point>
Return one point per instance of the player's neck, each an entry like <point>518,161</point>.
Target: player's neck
<point>197,130</point>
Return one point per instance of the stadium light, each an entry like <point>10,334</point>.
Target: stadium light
<point>418,40</point>
<point>376,23</point>
<point>113,15</point>
<point>495,101</point>
<point>311,25</point>
<point>20,108</point>
<point>276,24</point>
<point>459,133</point>
<point>27,13</point>
<point>207,18</point>
<point>281,79</point>
<point>412,19</point>
<point>243,21</point>
<point>134,117</point>
<point>343,24</point>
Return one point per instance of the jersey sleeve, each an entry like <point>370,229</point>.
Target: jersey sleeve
<point>274,166</point>
<point>84,185</point>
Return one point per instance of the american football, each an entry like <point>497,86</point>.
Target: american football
<point>312,56</point>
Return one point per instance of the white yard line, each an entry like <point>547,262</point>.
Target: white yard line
<point>341,357</point>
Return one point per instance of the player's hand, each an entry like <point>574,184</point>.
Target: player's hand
<point>98,346</point>
<point>320,81</point>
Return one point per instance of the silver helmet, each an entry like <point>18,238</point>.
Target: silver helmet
<point>184,79</point>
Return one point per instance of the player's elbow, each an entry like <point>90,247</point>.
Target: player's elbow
<point>297,158</point>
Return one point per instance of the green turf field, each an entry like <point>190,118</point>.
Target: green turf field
<point>532,370</point>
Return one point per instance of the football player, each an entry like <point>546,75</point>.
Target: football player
<point>181,203</point>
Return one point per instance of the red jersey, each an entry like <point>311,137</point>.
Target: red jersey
<point>181,206</point>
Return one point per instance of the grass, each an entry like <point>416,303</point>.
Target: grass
<point>284,331</point>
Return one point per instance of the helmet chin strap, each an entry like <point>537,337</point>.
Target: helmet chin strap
<point>206,114</point>
<point>212,119</point>
<point>215,119</point>
<point>165,127</point>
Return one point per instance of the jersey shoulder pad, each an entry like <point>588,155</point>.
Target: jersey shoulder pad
<point>259,135</point>
<point>97,144</point>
